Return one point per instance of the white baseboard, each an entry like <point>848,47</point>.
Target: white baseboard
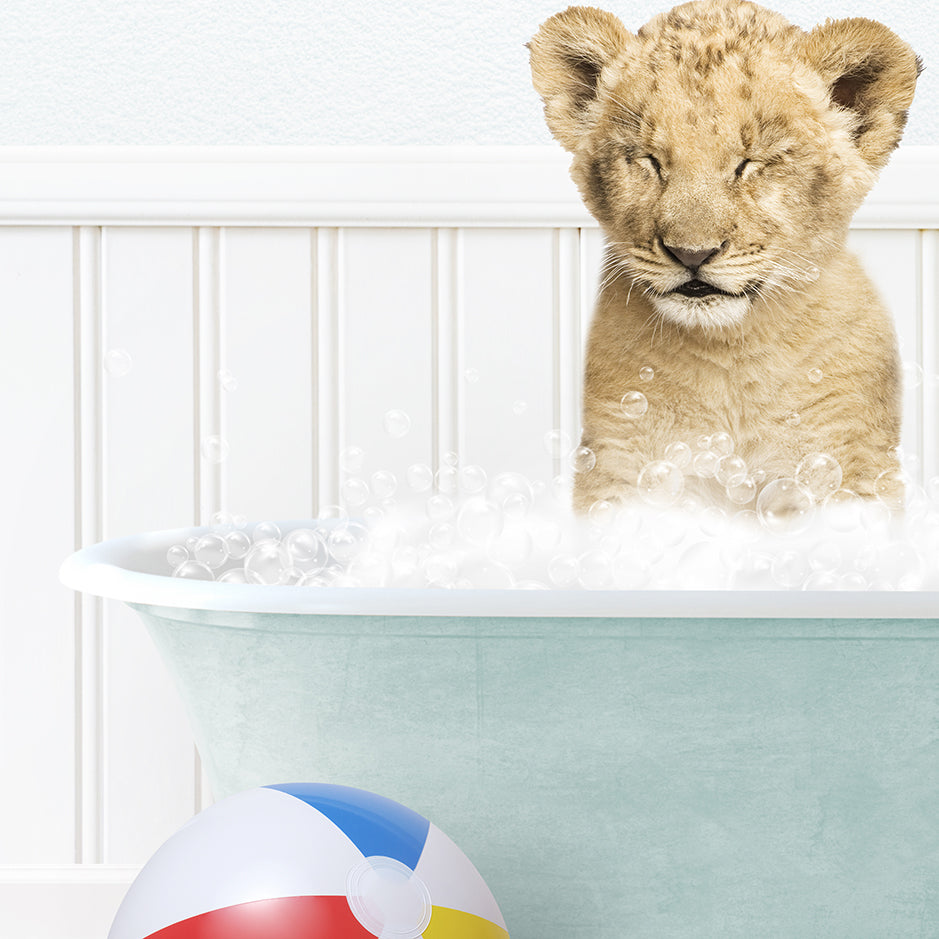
<point>71,902</point>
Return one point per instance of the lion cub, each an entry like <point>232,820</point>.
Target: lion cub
<point>723,152</point>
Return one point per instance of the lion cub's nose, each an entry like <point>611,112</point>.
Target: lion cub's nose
<point>690,257</point>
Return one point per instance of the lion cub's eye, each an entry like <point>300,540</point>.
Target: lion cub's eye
<point>745,168</point>
<point>650,161</point>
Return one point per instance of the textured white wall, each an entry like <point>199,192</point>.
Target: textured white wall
<point>311,72</point>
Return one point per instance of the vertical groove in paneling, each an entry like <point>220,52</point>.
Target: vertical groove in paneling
<point>328,388</point>
<point>567,337</point>
<point>928,312</point>
<point>447,352</point>
<point>208,419</point>
<point>89,484</point>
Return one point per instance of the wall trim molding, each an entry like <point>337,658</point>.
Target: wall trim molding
<point>352,186</point>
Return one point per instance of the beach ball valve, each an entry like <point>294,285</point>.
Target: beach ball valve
<point>308,861</point>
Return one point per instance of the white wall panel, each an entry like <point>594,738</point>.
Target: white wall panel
<point>267,347</point>
<point>148,418</point>
<point>37,496</point>
<point>387,345</point>
<point>509,339</point>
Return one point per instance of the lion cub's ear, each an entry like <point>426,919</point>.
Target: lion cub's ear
<point>870,71</point>
<point>568,56</point>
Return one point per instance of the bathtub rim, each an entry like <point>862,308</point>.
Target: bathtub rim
<point>104,570</point>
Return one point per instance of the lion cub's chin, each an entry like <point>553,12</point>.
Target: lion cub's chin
<point>717,311</point>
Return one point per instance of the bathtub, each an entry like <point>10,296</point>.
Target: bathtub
<point>616,764</point>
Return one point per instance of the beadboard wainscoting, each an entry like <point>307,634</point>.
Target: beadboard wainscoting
<point>164,308</point>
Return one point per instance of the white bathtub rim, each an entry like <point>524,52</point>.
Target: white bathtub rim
<point>105,570</point>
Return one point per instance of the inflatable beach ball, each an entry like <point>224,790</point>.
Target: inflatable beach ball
<point>308,861</point>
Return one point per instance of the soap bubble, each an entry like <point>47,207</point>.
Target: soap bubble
<point>227,380</point>
<point>439,507</point>
<point>890,488</point>
<point>440,569</point>
<point>843,510</point>
<point>721,443</point>
<point>265,531</point>
<point>480,521</point>
<point>177,554</point>
<point>705,464</point>
<point>785,506</point>
<point>118,362</point>
<point>473,479</point>
<point>396,422</point>
<point>193,570</point>
<point>214,449</point>
<point>351,460</point>
<point>820,474</point>
<point>519,408</point>
<point>346,542</point>
<point>812,274</point>
<point>825,556</point>
<point>557,443</point>
<point>790,569</point>
<point>238,543</point>
<point>384,484</point>
<point>660,483</point>
<point>583,459</point>
<point>211,550</point>
<point>268,563</point>
<point>306,549</point>
<point>731,470</point>
<point>354,491</point>
<point>679,453</point>
<point>513,492</point>
<point>441,535</point>
<point>646,373</point>
<point>234,575</point>
<point>471,375</point>
<point>595,570</point>
<point>634,404</point>
<point>602,514</point>
<point>815,375</point>
<point>912,375</point>
<point>742,492</point>
<point>793,419</point>
<point>420,477</point>
<point>447,479</point>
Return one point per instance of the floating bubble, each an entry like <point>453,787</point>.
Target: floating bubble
<point>825,556</point>
<point>646,373</point>
<point>602,514</point>
<point>330,512</point>
<point>722,444</point>
<point>660,483</point>
<point>214,449</point>
<point>731,470</point>
<point>306,549</point>
<point>595,570</point>
<point>439,507</point>
<point>563,570</point>
<point>265,531</point>
<point>268,563</point>
<point>447,479</point>
<point>211,550</point>
<point>441,535</point>
<point>227,380</point>
<point>471,375</point>
<point>557,443</point>
<point>234,575</point>
<point>346,542</point>
<point>479,521</point>
<point>473,479</point>
<point>815,375</point>
<point>351,460</point>
<point>193,570</point>
<point>519,408</point>
<point>238,543</point>
<point>793,419</point>
<point>912,375</point>
<point>790,569</point>
<point>118,362</point>
<point>742,492</point>
<point>513,492</point>
<point>451,458</point>
<point>177,554</point>
<point>634,404</point>
<point>820,474</point>
<point>420,477</point>
<point>354,491</point>
<point>440,569</point>
<point>384,483</point>
<point>890,488</point>
<point>583,459</point>
<point>680,454</point>
<point>705,464</point>
<point>784,506</point>
<point>396,422</point>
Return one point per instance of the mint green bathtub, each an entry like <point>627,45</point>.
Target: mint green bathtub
<point>643,764</point>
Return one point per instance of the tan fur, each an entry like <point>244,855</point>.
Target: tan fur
<point>721,127</point>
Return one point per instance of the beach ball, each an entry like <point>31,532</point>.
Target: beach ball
<point>308,861</point>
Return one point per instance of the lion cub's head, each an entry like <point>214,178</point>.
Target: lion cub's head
<point>722,149</point>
